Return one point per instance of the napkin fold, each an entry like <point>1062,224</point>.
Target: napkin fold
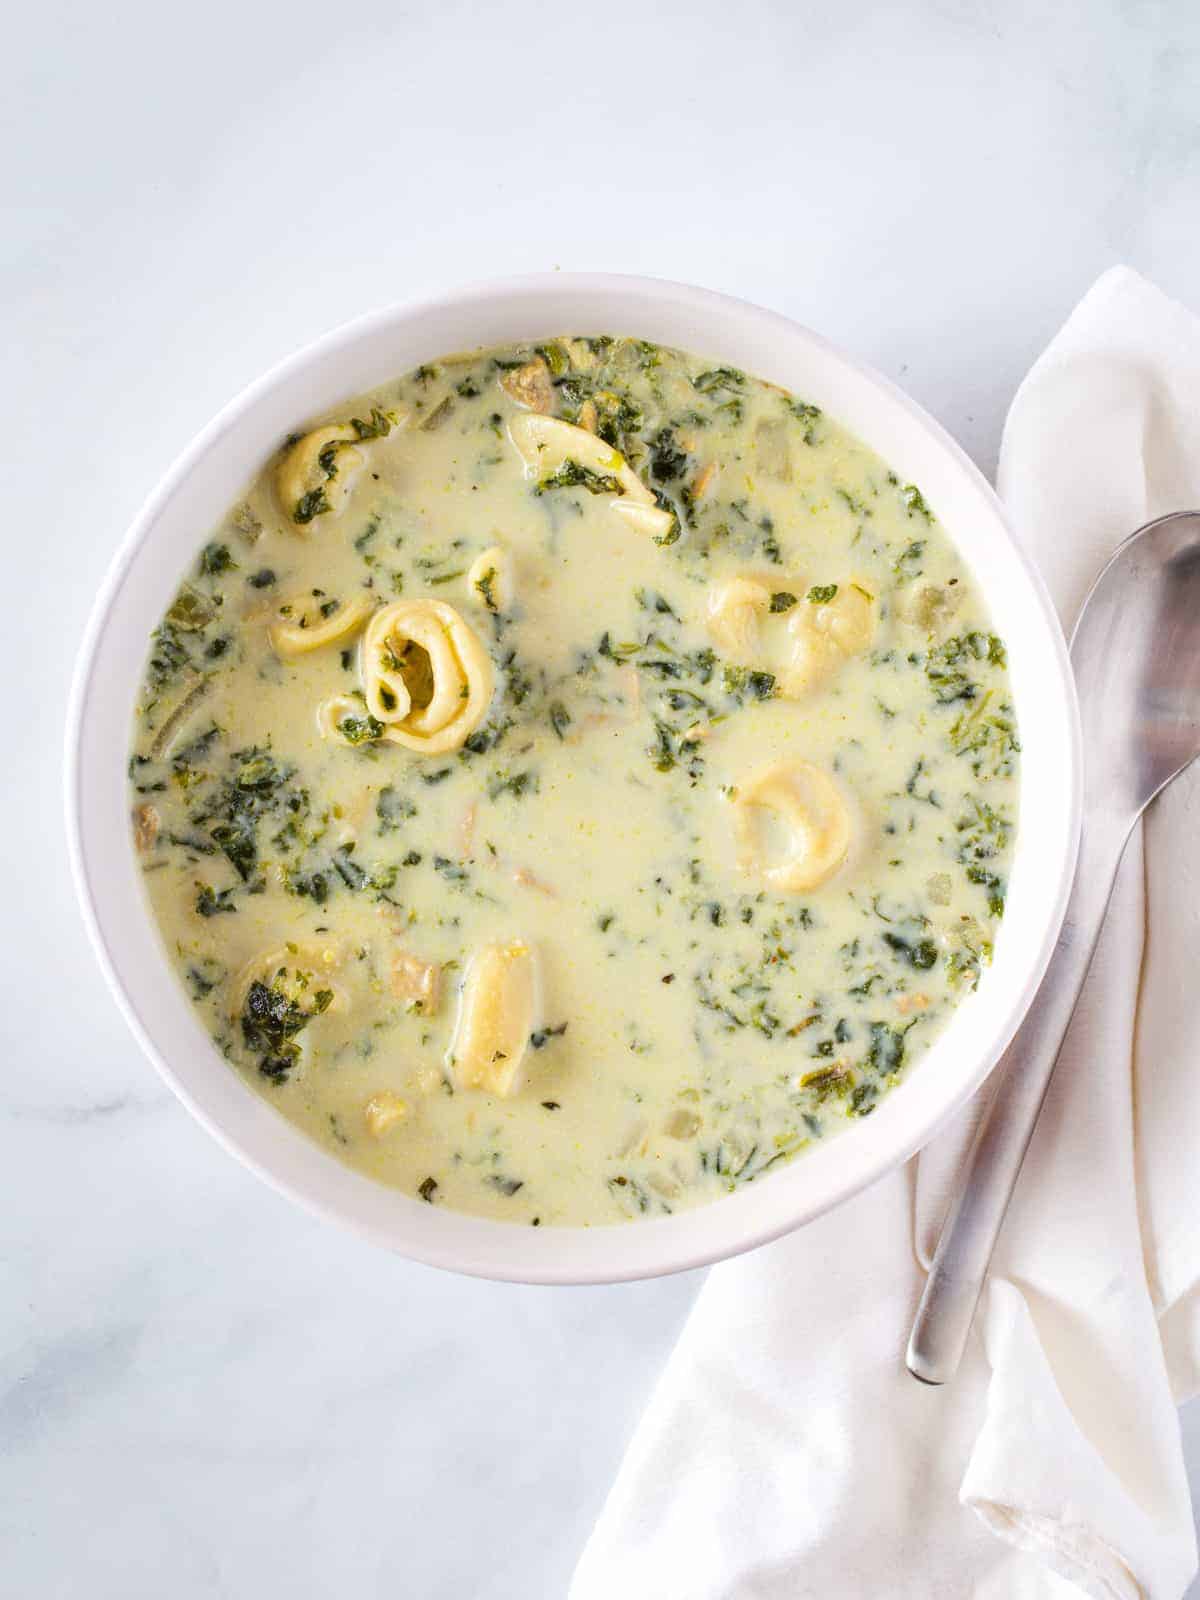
<point>786,1451</point>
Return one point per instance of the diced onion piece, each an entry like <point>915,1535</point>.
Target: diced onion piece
<point>304,629</point>
<point>146,825</point>
<point>814,817</point>
<point>498,1009</point>
<point>704,480</point>
<point>416,982</point>
<point>383,1112</point>
<point>772,450</point>
<point>683,1123</point>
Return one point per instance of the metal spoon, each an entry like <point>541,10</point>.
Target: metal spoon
<point>1136,656</point>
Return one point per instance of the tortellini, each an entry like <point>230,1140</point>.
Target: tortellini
<point>735,610</point>
<point>814,634</point>
<point>316,474</point>
<point>795,803</point>
<point>417,982</point>
<point>427,676</point>
<point>345,716</point>
<point>498,1010</point>
<point>931,608</point>
<point>552,450</point>
<point>298,972</point>
<point>772,450</point>
<point>273,1000</point>
<point>491,579</point>
<point>312,621</point>
<point>825,632</point>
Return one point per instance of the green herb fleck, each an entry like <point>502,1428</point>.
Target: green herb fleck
<point>919,953</point>
<point>908,563</point>
<point>542,1035</point>
<point>215,558</point>
<point>720,380</point>
<point>517,784</point>
<point>210,901</point>
<point>914,501</point>
<point>378,425</point>
<point>310,505</point>
<point>393,809</point>
<point>571,475</point>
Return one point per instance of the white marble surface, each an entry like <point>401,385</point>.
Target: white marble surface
<point>202,1391</point>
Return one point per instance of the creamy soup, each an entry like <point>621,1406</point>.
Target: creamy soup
<point>574,780</point>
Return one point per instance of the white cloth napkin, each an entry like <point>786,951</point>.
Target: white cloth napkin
<point>786,1451</point>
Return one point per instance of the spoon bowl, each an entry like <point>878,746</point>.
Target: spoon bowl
<point>1136,658</point>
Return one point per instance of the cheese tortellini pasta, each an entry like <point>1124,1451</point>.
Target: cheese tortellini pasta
<point>793,826</point>
<point>427,677</point>
<point>825,632</point>
<point>310,622</point>
<point>492,580</point>
<point>318,469</point>
<point>497,1010</point>
<point>559,453</point>
<point>302,974</point>
<point>802,641</point>
<point>317,473</point>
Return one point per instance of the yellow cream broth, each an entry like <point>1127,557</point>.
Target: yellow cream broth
<point>744,854</point>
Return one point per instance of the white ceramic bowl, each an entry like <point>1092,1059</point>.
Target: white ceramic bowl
<point>197,491</point>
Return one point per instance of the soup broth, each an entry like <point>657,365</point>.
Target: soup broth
<point>574,780</point>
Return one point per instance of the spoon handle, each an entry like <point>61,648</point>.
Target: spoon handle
<point>969,1235</point>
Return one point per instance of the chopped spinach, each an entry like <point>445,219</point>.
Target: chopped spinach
<point>272,1018</point>
<point>571,475</point>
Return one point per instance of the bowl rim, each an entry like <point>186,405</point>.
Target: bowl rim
<point>558,1255</point>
